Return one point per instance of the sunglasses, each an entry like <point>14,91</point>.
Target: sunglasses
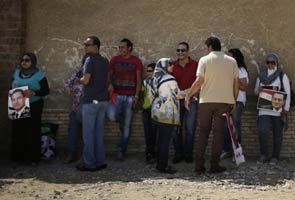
<point>181,50</point>
<point>87,45</point>
<point>25,60</point>
<point>149,70</point>
<point>271,62</point>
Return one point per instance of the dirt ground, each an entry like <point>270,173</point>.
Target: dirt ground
<point>134,179</point>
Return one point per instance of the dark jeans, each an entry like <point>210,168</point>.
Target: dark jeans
<point>74,128</point>
<point>238,123</point>
<point>210,116</point>
<point>265,123</point>
<point>150,133</point>
<point>183,144</point>
<point>26,137</point>
<point>164,137</point>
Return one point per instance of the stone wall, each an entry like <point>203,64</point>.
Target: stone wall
<point>55,31</point>
<point>12,41</point>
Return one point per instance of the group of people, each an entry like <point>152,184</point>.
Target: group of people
<point>175,95</point>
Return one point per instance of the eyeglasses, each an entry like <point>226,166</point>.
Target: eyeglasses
<point>271,62</point>
<point>87,45</point>
<point>181,50</point>
<point>25,60</point>
<point>149,70</point>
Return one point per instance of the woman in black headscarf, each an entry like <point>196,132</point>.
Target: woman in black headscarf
<point>165,110</point>
<point>26,139</point>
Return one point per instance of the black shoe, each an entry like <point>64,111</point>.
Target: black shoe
<point>167,170</point>
<point>83,168</point>
<point>200,170</point>
<point>177,159</point>
<point>217,169</point>
<point>101,167</point>
<point>188,159</point>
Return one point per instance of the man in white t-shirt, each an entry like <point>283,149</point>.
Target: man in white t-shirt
<point>217,77</point>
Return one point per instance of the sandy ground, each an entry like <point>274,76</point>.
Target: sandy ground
<point>134,179</point>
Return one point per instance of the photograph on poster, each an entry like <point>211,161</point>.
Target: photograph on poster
<point>271,100</point>
<point>18,103</point>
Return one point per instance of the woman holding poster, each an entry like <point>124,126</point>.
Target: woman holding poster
<point>269,81</point>
<point>26,138</point>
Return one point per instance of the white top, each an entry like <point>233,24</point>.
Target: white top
<point>276,83</point>
<point>242,94</point>
<point>219,72</point>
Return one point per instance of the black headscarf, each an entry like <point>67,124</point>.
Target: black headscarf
<point>33,68</point>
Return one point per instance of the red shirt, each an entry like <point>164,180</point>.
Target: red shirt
<point>185,76</point>
<point>124,74</point>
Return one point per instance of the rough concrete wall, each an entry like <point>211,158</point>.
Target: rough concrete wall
<point>56,30</point>
<point>12,40</point>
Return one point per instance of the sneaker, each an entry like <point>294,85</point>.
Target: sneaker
<point>217,169</point>
<point>167,170</point>
<point>262,160</point>
<point>274,161</point>
<point>120,156</point>
<point>225,154</point>
<point>101,167</point>
<point>81,167</point>
<point>70,159</point>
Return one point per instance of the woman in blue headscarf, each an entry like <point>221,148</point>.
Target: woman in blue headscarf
<point>26,138</point>
<point>272,78</point>
<point>165,110</point>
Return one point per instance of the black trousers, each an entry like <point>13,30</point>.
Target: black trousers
<point>164,137</point>
<point>150,133</point>
<point>26,137</point>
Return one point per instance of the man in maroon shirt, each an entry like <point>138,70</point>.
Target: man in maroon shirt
<point>185,73</point>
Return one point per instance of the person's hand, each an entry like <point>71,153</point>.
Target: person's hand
<point>186,102</point>
<point>233,108</point>
<point>111,88</point>
<point>68,90</point>
<point>77,81</point>
<point>135,100</point>
<point>284,112</point>
<point>30,93</point>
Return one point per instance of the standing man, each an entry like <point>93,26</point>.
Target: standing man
<point>184,72</point>
<point>94,102</point>
<point>217,77</point>
<point>125,74</point>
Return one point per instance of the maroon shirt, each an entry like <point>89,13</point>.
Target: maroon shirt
<point>185,76</point>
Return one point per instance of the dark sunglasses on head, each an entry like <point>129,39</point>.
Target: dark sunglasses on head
<point>181,50</point>
<point>25,60</point>
<point>87,45</point>
<point>271,62</point>
<point>149,70</point>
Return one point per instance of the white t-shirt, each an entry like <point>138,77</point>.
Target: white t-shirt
<point>242,94</point>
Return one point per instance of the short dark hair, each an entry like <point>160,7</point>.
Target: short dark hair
<point>128,42</point>
<point>185,44</point>
<point>214,42</point>
<point>152,65</point>
<point>18,90</point>
<point>95,41</point>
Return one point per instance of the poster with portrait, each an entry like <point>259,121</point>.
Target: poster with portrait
<point>271,100</point>
<point>18,103</point>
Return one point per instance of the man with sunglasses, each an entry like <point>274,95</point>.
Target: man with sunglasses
<point>272,78</point>
<point>125,74</point>
<point>94,102</point>
<point>184,71</point>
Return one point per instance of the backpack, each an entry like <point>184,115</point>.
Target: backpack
<point>292,94</point>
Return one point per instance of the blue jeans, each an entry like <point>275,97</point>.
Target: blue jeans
<point>93,116</point>
<point>190,121</point>
<point>122,112</point>
<point>238,124</point>
<point>74,128</point>
<point>265,123</point>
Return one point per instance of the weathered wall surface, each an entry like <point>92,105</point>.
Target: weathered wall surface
<point>56,31</point>
<point>12,40</point>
